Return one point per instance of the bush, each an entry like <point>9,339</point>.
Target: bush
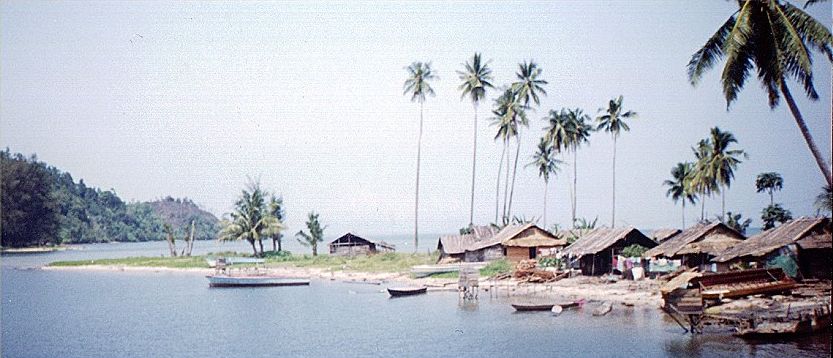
<point>496,267</point>
<point>549,262</point>
<point>634,250</point>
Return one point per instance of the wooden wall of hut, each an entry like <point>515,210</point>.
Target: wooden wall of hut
<point>816,263</point>
<point>351,250</point>
<point>598,264</point>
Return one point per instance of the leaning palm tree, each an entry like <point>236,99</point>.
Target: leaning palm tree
<point>544,159</point>
<point>723,161</point>
<point>475,77</point>
<point>775,38</point>
<point>315,235</point>
<point>769,182</point>
<point>419,74</point>
<point>679,187</point>
<point>613,122</point>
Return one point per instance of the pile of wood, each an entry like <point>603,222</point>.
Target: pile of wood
<point>527,271</point>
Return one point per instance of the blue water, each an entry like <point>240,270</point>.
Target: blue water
<point>48,313</point>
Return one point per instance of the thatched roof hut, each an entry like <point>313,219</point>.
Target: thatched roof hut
<point>351,245</point>
<point>596,248</point>
<point>528,241</point>
<point>698,244</point>
<point>812,236</point>
<point>661,235</point>
<point>454,247</point>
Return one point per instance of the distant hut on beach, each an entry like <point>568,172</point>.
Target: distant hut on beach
<point>485,243</point>
<point>661,235</point>
<point>697,245</point>
<point>809,240</point>
<point>352,245</point>
<point>595,249</point>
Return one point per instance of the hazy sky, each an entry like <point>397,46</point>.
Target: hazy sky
<point>188,99</point>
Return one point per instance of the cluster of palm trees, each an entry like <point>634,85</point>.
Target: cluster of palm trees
<point>257,215</point>
<point>566,129</point>
<point>774,213</point>
<point>711,173</point>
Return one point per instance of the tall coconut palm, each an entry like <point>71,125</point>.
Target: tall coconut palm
<point>613,122</point>
<point>419,74</point>
<point>577,132</point>
<point>702,180</point>
<point>679,187</point>
<point>510,115</point>
<point>775,38</point>
<point>544,159</point>
<point>723,161</point>
<point>769,182</point>
<point>528,87</point>
<point>277,210</point>
<point>475,80</point>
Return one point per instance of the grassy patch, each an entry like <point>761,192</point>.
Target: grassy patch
<point>171,262</point>
<point>496,267</point>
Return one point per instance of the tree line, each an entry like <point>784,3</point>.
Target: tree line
<point>42,205</point>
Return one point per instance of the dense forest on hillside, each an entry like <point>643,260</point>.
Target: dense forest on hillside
<point>43,205</point>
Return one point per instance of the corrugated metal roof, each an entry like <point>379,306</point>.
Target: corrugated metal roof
<point>600,239</point>
<point>775,238</point>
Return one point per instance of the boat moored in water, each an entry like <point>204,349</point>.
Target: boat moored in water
<point>406,291</point>
<point>254,281</point>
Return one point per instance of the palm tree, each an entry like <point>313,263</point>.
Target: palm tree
<point>736,222</point>
<point>528,86</point>
<point>679,187</point>
<point>475,79</point>
<point>510,114</point>
<point>723,161</point>
<point>277,210</point>
<point>315,235</point>
<point>418,87</point>
<point>613,122</point>
<point>769,182</point>
<point>702,180</point>
<point>251,219</point>
<point>544,159</point>
<point>775,38</point>
<point>578,131</point>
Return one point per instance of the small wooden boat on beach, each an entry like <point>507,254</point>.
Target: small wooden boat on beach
<point>406,291</point>
<point>254,281</point>
<point>527,307</point>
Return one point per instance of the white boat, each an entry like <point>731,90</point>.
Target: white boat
<point>212,262</point>
<point>251,281</point>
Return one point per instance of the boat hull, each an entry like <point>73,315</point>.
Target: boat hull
<point>531,308</point>
<point>254,281</point>
<point>399,292</point>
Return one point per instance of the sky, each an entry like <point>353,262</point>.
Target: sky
<point>193,99</point>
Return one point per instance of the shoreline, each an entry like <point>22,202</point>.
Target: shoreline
<point>644,293</point>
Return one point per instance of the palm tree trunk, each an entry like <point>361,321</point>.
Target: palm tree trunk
<point>723,204</point>
<point>514,172</point>
<point>545,204</point>
<point>254,248</point>
<point>575,182</point>
<point>506,182</point>
<point>416,201</point>
<point>703,208</point>
<point>274,243</point>
<point>770,197</point>
<point>260,243</point>
<point>473,166</point>
<point>279,242</point>
<point>683,213</point>
<point>799,120</point>
<point>497,189</point>
<point>613,214</point>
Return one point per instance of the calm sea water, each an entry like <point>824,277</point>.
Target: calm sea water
<point>49,313</point>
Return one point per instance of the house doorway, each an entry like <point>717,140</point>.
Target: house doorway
<point>533,252</point>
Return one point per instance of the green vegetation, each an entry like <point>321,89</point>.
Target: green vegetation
<point>774,38</point>
<point>737,222</point>
<point>315,235</point>
<point>634,250</point>
<point>824,201</point>
<point>496,267</point>
<point>773,214</point>
<point>613,122</point>
<point>544,159</point>
<point>43,205</point>
<point>679,187</point>
<point>169,262</point>
<point>253,218</point>
<point>769,182</point>
<point>568,130</point>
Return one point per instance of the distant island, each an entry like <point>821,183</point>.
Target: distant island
<point>43,205</point>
